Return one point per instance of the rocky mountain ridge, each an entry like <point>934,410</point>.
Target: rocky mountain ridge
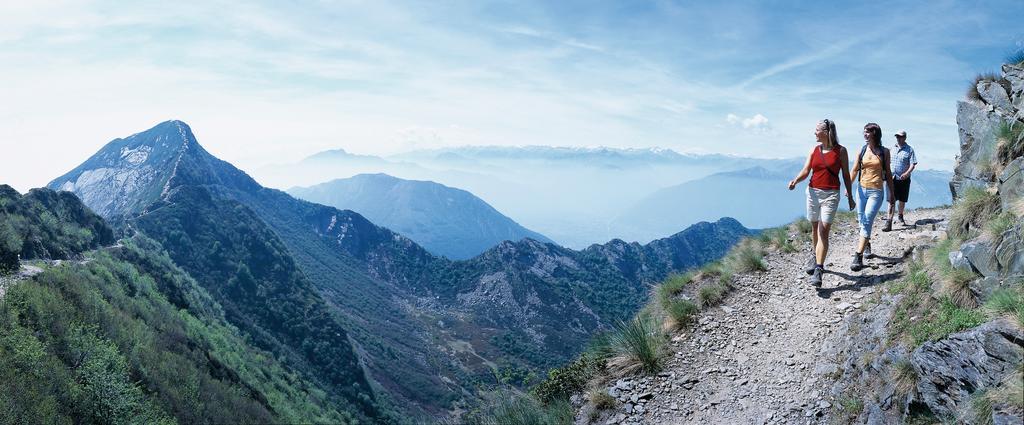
<point>427,330</point>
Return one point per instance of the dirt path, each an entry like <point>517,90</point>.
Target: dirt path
<point>757,358</point>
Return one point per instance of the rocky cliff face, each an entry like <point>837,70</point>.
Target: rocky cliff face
<point>990,158</point>
<point>957,371</point>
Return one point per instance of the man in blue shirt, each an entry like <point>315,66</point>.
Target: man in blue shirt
<point>903,163</point>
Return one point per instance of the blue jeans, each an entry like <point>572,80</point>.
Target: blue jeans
<point>868,203</point>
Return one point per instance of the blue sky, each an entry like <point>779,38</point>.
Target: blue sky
<point>273,82</point>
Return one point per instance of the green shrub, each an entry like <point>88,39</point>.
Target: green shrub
<point>564,381</point>
<point>10,247</point>
<point>682,312</point>
<point>518,409</point>
<point>974,208</point>
<point>639,346</point>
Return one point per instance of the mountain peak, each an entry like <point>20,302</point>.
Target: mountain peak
<point>129,173</point>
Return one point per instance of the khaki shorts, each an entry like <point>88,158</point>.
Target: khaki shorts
<point>822,204</point>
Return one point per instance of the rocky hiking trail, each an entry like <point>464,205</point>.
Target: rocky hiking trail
<point>768,353</point>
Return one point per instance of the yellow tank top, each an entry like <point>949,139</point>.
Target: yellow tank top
<point>871,174</point>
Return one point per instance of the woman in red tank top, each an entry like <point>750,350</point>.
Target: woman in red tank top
<point>827,160</point>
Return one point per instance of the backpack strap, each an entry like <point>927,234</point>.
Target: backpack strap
<point>822,154</point>
<point>860,161</point>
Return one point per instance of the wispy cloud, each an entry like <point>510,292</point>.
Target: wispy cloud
<point>266,82</point>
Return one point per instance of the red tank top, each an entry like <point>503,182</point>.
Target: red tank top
<point>826,169</point>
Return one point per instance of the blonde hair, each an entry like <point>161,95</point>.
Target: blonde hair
<point>833,137</point>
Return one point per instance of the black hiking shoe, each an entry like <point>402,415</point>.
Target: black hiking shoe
<point>867,251</point>
<point>903,222</point>
<point>811,265</point>
<point>888,226</point>
<point>857,264</point>
<point>816,276</point>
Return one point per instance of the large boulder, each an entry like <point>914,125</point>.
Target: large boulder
<point>979,254</point>
<point>954,368</point>
<point>977,146</point>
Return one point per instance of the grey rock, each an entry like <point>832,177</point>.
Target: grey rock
<point>959,261</point>
<point>1015,75</point>
<point>954,368</point>
<point>995,95</point>
<point>979,253</point>
<point>1010,251</point>
<point>1011,184</point>
<point>976,124</point>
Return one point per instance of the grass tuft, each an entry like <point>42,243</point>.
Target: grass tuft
<point>1008,303</point>
<point>1009,141</point>
<point>999,225</point>
<point>602,400</point>
<point>957,286</point>
<point>681,312</point>
<point>640,347</point>
<point>747,256</point>
<point>979,410</point>
<point>904,377</point>
<point>972,211</point>
<point>777,238</point>
<point>673,286</point>
<point>711,293</point>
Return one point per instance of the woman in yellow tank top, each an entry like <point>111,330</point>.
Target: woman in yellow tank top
<point>872,168</point>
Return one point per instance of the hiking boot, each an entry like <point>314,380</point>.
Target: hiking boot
<point>816,276</point>
<point>888,226</point>
<point>867,251</point>
<point>902,221</point>
<point>857,264</point>
<point>811,264</point>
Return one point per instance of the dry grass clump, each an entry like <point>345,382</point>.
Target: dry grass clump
<point>975,207</point>
<point>956,284</point>
<point>904,377</point>
<point>602,400</point>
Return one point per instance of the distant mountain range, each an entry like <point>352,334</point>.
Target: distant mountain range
<point>756,196</point>
<point>334,295</point>
<point>444,220</point>
<point>570,195</point>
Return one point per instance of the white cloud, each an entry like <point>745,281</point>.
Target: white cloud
<point>757,123</point>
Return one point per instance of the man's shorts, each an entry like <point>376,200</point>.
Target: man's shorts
<point>822,204</point>
<point>901,189</point>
